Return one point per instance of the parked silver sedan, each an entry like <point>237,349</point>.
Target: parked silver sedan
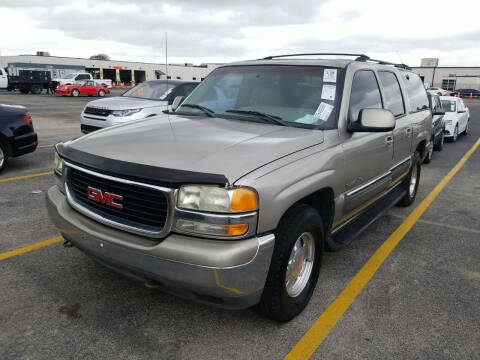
<point>147,99</point>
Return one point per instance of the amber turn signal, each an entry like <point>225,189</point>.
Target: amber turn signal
<point>237,229</point>
<point>243,199</point>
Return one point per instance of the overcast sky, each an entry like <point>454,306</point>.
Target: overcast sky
<point>221,31</point>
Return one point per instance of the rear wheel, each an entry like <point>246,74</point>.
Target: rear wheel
<point>410,184</point>
<point>101,93</point>
<point>36,89</point>
<point>429,156</point>
<point>24,91</point>
<point>439,144</point>
<point>75,93</point>
<point>295,264</point>
<point>3,156</point>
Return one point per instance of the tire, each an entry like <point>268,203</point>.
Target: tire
<point>429,156</point>
<point>101,93</point>
<point>455,134</point>
<point>410,184</point>
<point>24,91</point>
<point>467,128</point>
<point>3,156</point>
<point>439,145</point>
<point>301,227</point>
<point>75,93</point>
<point>36,89</point>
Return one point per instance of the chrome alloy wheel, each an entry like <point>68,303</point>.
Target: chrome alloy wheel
<point>413,181</point>
<point>2,157</point>
<point>300,264</point>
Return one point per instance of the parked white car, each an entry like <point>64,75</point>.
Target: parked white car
<point>438,91</point>
<point>147,99</point>
<point>73,78</point>
<point>457,117</point>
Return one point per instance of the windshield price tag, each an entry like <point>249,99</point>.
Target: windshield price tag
<point>328,92</point>
<point>330,75</point>
<point>323,112</point>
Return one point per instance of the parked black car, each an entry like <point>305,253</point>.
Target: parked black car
<point>465,93</point>
<point>17,136</point>
<point>438,124</point>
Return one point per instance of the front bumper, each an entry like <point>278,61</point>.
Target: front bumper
<point>229,274</point>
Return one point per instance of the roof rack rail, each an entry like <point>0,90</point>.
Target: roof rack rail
<point>360,57</point>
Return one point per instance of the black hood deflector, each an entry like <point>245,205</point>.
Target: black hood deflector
<point>159,176</point>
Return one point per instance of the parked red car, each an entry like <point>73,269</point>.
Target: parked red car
<point>85,88</point>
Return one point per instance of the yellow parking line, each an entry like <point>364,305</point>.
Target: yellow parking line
<point>314,337</point>
<point>26,176</point>
<point>44,146</point>
<point>28,248</point>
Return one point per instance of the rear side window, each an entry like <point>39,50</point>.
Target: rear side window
<point>365,93</point>
<point>393,94</point>
<point>416,92</point>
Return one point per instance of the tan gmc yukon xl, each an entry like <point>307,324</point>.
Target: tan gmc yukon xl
<point>231,198</point>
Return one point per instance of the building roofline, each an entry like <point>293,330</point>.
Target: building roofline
<point>112,60</point>
<point>445,67</point>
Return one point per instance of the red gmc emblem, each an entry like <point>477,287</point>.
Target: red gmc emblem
<point>106,198</point>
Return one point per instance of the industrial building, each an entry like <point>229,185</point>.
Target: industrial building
<point>448,77</point>
<point>126,72</point>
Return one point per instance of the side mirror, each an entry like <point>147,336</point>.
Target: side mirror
<point>373,120</point>
<point>177,102</point>
<point>462,111</point>
<point>439,112</point>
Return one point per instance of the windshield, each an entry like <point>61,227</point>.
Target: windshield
<point>70,76</point>
<point>150,90</point>
<point>303,96</point>
<point>449,105</point>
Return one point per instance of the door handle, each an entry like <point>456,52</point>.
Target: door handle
<point>388,141</point>
<point>408,132</point>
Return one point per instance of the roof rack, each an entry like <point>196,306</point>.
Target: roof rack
<point>358,57</point>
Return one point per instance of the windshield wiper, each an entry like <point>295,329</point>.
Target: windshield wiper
<point>207,111</point>
<point>271,118</point>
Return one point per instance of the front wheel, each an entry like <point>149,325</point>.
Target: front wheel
<point>410,184</point>
<point>467,128</point>
<point>3,157</point>
<point>455,133</point>
<point>75,93</point>
<point>101,93</point>
<point>295,265</point>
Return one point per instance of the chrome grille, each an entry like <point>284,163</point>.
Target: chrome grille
<point>144,208</point>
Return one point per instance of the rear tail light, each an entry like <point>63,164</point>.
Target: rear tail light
<point>27,119</point>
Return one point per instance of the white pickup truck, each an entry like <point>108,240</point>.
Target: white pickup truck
<point>72,78</point>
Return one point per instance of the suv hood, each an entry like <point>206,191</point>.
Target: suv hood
<point>231,148</point>
<point>125,102</point>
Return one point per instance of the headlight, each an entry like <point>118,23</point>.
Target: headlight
<point>127,112</point>
<point>212,211</point>
<point>216,199</point>
<point>58,164</point>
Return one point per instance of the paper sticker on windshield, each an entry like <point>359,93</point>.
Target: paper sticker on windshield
<point>328,92</point>
<point>323,112</point>
<point>330,75</point>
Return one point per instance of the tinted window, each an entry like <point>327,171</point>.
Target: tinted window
<point>150,90</point>
<point>416,92</point>
<point>185,90</point>
<point>393,95</point>
<point>365,93</point>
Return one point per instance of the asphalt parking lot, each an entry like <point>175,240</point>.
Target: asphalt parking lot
<point>422,303</point>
